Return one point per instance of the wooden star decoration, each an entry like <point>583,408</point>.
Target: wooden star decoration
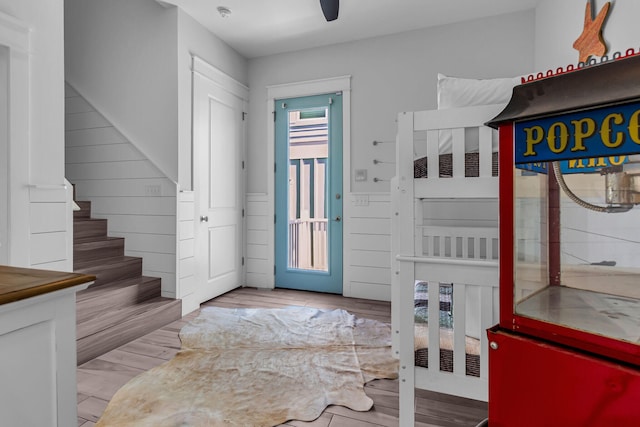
<point>590,41</point>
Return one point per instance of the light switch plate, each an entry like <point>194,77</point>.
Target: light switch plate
<point>360,175</point>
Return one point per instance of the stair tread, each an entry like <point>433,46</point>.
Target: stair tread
<point>97,291</point>
<point>96,239</point>
<point>119,315</point>
<point>88,219</point>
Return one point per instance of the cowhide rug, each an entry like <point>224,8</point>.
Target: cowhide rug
<point>258,367</point>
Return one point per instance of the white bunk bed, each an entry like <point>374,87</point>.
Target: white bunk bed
<point>444,236</point>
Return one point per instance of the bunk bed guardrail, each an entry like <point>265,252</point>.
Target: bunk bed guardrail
<point>463,256</point>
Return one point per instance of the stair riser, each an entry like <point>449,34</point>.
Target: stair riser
<point>106,340</point>
<point>90,304</point>
<point>88,251</point>
<point>85,210</point>
<point>107,273</point>
<point>89,228</point>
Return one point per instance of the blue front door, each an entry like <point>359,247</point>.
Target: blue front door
<point>308,190</point>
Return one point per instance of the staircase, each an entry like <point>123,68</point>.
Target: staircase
<point>121,305</point>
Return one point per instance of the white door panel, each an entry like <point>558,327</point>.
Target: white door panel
<point>218,140</point>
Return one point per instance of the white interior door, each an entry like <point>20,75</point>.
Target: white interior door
<point>218,187</point>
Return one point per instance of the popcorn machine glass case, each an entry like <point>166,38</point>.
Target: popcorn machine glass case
<point>570,248</point>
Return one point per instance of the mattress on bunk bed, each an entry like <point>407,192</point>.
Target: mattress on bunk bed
<point>471,165</point>
<point>421,340</point>
<point>456,92</point>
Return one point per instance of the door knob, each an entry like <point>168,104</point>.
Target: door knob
<point>204,218</point>
<point>338,218</point>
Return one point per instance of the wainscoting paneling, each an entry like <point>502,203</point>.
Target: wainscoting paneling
<point>258,272</point>
<point>373,275</point>
<point>142,224</point>
<point>157,206</point>
<point>76,104</point>
<point>93,136</point>
<point>186,285</point>
<point>103,153</point>
<point>45,247</point>
<point>130,169</point>
<point>49,216</point>
<point>367,246</point>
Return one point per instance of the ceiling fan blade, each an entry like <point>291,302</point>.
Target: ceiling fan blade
<point>330,9</point>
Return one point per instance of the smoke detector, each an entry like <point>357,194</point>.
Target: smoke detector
<point>224,11</point>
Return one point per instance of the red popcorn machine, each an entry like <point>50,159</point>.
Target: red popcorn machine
<point>566,351</point>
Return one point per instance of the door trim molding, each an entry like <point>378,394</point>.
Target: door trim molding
<point>295,90</point>
<point>225,81</point>
<point>15,36</point>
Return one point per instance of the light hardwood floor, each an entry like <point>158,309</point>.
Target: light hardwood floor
<point>100,378</point>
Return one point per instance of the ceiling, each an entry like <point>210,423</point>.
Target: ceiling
<point>265,27</point>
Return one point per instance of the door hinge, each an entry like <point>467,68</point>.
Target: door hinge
<point>330,101</point>
<point>243,164</point>
<point>242,213</point>
<point>242,260</point>
<point>274,116</point>
<point>274,270</point>
<point>274,167</point>
<point>274,219</point>
<point>244,115</point>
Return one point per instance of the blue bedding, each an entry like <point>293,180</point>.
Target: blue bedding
<point>421,304</point>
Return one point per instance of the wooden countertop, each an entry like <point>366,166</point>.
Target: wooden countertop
<point>20,283</point>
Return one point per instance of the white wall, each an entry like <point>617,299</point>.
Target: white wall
<point>559,23</point>
<point>45,18</point>
<point>38,200</point>
<point>390,74</point>
<point>121,56</point>
<point>194,39</point>
<point>131,60</point>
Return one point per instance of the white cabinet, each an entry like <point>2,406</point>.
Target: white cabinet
<point>38,347</point>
